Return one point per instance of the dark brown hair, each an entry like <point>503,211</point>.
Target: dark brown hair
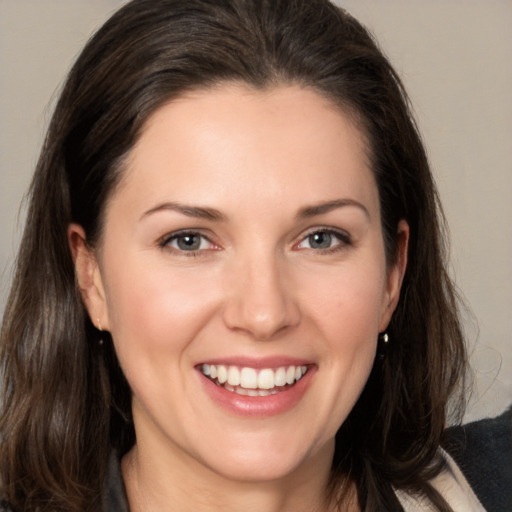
<point>66,403</point>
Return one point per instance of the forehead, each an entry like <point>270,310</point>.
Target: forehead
<point>284,104</point>
<point>276,141</point>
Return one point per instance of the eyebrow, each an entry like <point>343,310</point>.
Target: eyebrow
<point>327,206</point>
<point>198,212</point>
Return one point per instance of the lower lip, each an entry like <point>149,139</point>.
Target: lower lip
<point>258,406</point>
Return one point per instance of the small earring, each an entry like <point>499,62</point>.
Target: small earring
<point>382,345</point>
<point>100,342</point>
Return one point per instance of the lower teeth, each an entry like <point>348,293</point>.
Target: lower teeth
<point>250,392</point>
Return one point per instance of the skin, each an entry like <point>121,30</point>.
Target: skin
<point>257,287</point>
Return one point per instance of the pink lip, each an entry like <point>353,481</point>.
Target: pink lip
<point>259,406</point>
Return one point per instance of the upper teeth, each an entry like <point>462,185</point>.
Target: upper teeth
<point>251,378</point>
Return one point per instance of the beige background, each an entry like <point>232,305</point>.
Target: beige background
<point>455,58</point>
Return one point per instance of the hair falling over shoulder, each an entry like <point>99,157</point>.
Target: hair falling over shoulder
<point>65,402</point>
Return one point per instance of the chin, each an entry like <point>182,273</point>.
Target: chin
<point>267,460</point>
<point>263,468</point>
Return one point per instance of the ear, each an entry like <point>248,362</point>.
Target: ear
<point>88,277</point>
<point>395,276</point>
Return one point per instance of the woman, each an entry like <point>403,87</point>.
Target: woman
<point>231,291</point>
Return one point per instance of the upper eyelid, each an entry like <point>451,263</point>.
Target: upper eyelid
<point>164,240</point>
<point>342,233</point>
<point>344,240</point>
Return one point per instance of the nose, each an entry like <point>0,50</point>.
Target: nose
<point>261,300</point>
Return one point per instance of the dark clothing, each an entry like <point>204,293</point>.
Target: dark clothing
<point>483,452</point>
<point>115,494</point>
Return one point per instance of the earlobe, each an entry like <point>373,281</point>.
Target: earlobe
<point>396,274</point>
<point>88,276</point>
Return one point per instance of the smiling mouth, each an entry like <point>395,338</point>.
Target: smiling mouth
<point>253,382</point>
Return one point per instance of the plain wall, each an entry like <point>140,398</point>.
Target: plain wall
<point>455,59</point>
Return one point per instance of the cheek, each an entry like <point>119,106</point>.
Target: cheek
<point>155,316</point>
<point>349,324</point>
<point>347,302</point>
<point>345,313</point>
<point>157,308</point>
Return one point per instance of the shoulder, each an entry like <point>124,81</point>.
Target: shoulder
<point>450,483</point>
<point>483,452</point>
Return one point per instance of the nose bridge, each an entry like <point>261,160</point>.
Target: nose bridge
<point>261,301</point>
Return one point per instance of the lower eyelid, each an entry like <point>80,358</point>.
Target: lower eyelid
<point>168,239</point>
<point>343,238</point>
<point>169,243</point>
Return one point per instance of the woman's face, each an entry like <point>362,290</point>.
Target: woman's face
<point>244,242</point>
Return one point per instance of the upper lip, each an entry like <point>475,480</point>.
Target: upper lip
<point>257,363</point>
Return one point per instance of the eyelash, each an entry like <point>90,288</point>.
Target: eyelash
<point>165,242</point>
<point>343,238</point>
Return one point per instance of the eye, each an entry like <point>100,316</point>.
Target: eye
<point>187,241</point>
<point>324,239</point>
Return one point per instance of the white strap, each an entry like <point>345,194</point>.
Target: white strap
<point>452,485</point>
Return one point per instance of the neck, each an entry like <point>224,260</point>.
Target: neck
<point>156,484</point>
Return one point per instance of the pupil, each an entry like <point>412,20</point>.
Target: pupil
<point>189,242</point>
<point>320,240</point>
